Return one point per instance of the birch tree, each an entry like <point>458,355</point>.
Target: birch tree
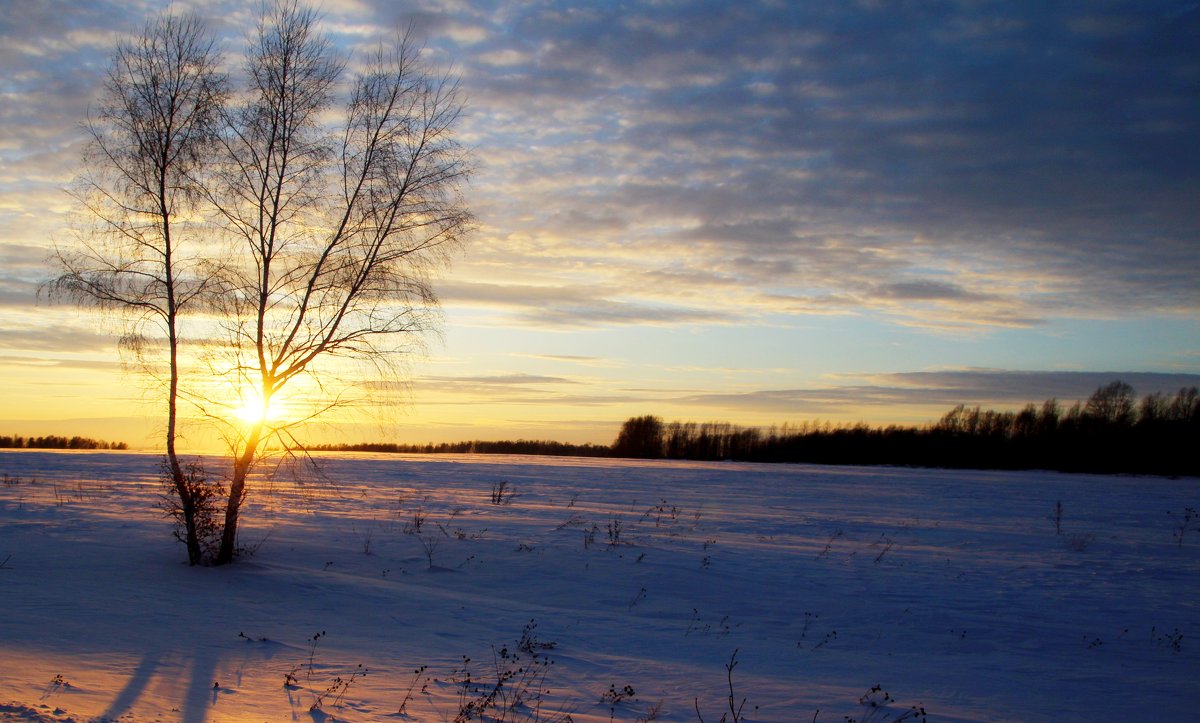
<point>293,219</point>
<point>335,225</point>
<point>142,256</point>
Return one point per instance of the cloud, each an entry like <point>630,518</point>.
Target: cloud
<point>55,338</point>
<point>955,165</point>
<point>42,363</point>
<point>930,391</point>
<point>498,380</point>
<point>22,256</point>
<point>1003,386</point>
<point>588,361</point>
<point>843,149</point>
<point>17,293</point>
<point>926,290</point>
<point>572,307</point>
<point>518,389</point>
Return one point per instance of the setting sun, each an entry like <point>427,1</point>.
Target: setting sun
<point>253,409</point>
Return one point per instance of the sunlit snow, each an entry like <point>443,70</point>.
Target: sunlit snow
<point>953,591</point>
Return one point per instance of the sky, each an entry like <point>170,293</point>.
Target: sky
<point>756,212</point>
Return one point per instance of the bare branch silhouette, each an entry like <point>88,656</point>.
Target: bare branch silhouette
<point>143,257</point>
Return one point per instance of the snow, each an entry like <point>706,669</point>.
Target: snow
<point>950,590</point>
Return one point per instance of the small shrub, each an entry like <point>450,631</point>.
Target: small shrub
<point>809,619</point>
<point>885,545</point>
<point>502,493</point>
<point>337,689</point>
<point>829,638</point>
<point>614,531</point>
<point>529,642</point>
<point>734,714</point>
<point>1184,524</point>
<point>663,511</point>
<point>574,520</point>
<point>208,498</point>
<point>613,696</point>
<point>1172,640</point>
<point>877,700</point>
<point>412,685</point>
<point>429,543</point>
<point>289,679</point>
<point>57,683</point>
<point>829,544</point>
<point>414,525</point>
<point>722,628</point>
<point>429,539</point>
<point>515,687</point>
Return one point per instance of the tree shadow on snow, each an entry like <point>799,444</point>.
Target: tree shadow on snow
<point>203,690</point>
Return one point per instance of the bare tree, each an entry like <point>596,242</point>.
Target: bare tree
<point>304,229</point>
<point>1112,404</point>
<point>335,228</point>
<point>643,437</point>
<point>156,124</point>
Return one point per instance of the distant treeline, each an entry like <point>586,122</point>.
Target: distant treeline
<point>1113,432</point>
<point>55,442</point>
<point>520,446</point>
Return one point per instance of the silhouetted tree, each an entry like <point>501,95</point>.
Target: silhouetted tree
<point>52,441</point>
<point>1115,434</point>
<point>305,229</point>
<point>640,437</point>
<point>1047,420</point>
<point>1111,404</point>
<point>335,232</point>
<point>1185,406</point>
<point>151,134</point>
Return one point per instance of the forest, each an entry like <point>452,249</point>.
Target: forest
<point>1114,431</point>
<point>52,441</point>
<point>519,446</point>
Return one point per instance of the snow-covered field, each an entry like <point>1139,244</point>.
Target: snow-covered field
<point>620,590</point>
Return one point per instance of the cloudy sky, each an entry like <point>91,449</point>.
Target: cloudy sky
<point>760,212</point>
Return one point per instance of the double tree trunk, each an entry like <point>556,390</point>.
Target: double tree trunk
<point>338,221</point>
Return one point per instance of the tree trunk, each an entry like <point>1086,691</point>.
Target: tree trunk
<point>187,500</point>
<point>237,491</point>
<point>187,504</point>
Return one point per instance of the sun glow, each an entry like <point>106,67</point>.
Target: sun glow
<point>253,409</point>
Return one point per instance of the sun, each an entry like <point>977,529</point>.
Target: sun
<point>253,410</point>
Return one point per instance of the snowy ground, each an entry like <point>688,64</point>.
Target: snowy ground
<point>951,590</point>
